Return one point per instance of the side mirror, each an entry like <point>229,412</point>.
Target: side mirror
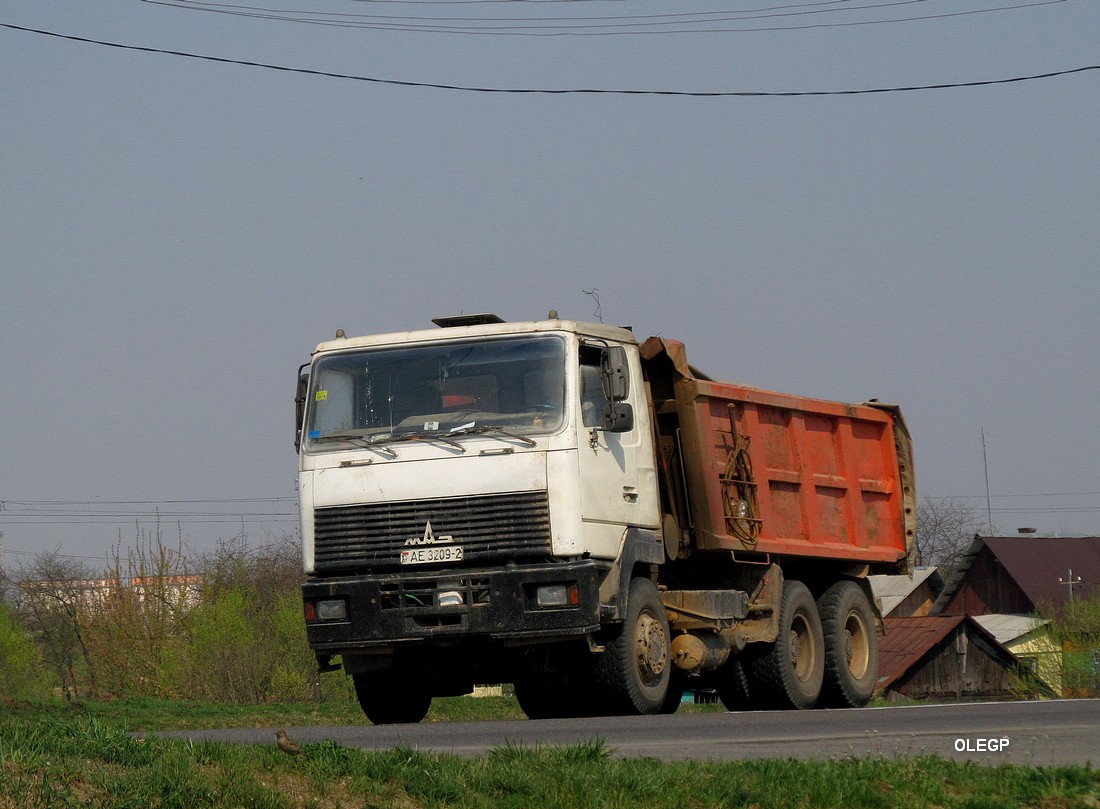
<point>300,406</point>
<point>618,417</point>
<point>614,374</point>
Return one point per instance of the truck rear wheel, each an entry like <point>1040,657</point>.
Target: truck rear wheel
<point>791,673</point>
<point>387,699</point>
<point>731,681</point>
<point>851,646</point>
<point>635,668</point>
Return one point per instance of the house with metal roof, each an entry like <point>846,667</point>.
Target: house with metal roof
<point>944,658</point>
<point>1029,639</point>
<point>1005,582</point>
<point>1021,575</point>
<point>907,596</point>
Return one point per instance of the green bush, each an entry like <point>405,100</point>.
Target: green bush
<point>225,627</point>
<point>22,672</point>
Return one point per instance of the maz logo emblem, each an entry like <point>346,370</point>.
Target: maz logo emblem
<point>429,537</point>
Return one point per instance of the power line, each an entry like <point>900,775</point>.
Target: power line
<point>151,519</point>
<point>482,2</point>
<point>12,552</point>
<point>146,518</point>
<point>96,502</point>
<point>1063,510</point>
<point>996,496</point>
<point>668,18</point>
<point>508,2</point>
<point>623,24</point>
<point>548,91</point>
<point>489,2</point>
<point>116,513</point>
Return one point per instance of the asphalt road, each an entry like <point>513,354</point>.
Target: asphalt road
<point>1029,733</point>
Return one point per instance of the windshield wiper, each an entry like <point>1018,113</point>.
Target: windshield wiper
<point>426,436</point>
<point>470,429</point>
<point>379,440</point>
<point>337,437</point>
<point>366,441</point>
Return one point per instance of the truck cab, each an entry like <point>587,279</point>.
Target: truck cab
<point>468,495</point>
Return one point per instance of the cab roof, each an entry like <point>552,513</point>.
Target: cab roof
<point>479,326</point>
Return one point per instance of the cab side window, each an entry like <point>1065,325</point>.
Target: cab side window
<point>593,400</point>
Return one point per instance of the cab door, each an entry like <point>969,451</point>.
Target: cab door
<point>617,468</point>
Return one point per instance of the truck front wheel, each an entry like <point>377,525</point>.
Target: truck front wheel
<point>851,646</point>
<point>791,673</point>
<point>387,699</point>
<point>636,666</point>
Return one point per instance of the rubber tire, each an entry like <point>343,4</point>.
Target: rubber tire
<point>731,681</point>
<point>387,699</point>
<point>537,699</point>
<point>619,676</point>
<point>791,673</point>
<point>851,646</point>
<point>544,698</point>
<point>675,694</point>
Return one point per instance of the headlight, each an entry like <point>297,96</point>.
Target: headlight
<point>557,595</point>
<point>336,610</point>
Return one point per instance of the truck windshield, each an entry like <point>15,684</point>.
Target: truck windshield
<point>505,386</point>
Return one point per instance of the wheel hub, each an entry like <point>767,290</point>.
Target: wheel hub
<point>795,641</point>
<point>856,645</point>
<point>651,646</point>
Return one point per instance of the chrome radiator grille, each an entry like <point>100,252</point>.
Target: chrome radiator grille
<point>493,528</point>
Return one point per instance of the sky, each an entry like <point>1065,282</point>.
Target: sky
<point>178,233</point>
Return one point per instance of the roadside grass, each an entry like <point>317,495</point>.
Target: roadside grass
<point>144,714</point>
<point>72,758</point>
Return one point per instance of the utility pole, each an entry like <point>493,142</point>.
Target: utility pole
<point>988,505</point>
<point>1070,581</point>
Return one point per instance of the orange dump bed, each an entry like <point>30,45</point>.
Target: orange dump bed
<point>786,475</point>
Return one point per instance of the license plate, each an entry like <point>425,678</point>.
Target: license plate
<point>424,556</point>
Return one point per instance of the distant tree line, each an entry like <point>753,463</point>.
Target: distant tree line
<point>225,626</point>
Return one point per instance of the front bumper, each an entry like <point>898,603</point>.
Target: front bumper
<point>489,603</point>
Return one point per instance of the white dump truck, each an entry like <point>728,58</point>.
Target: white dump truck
<point>555,505</point>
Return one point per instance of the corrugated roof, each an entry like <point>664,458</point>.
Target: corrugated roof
<point>892,590</point>
<point>907,640</point>
<point>1006,628</point>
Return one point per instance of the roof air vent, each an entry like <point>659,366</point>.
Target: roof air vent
<point>466,320</point>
